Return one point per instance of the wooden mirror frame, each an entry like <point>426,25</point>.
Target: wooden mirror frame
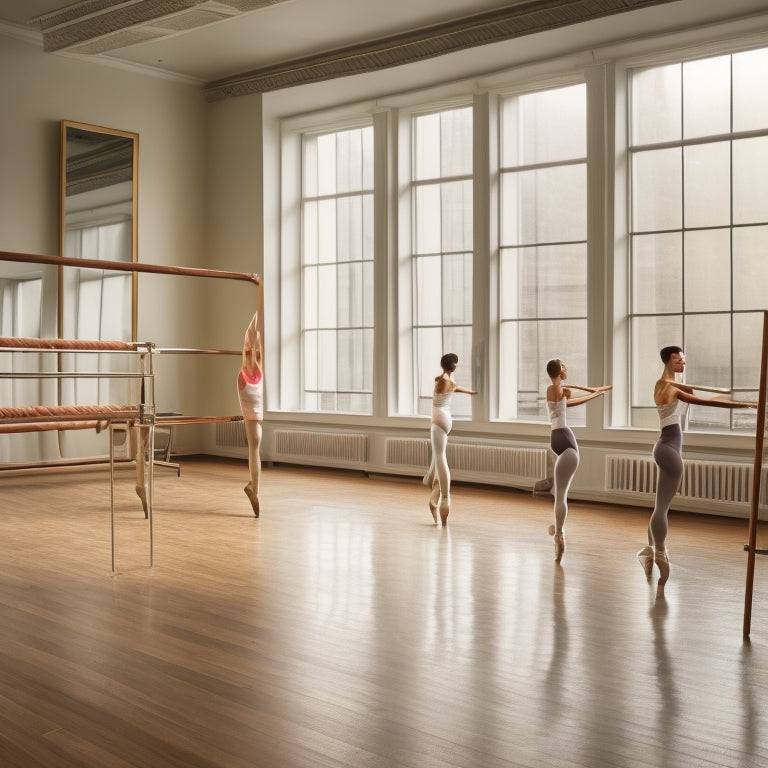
<point>113,161</point>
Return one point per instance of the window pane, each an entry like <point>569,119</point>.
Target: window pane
<point>750,181</point>
<point>707,185</point>
<point>326,164</point>
<point>457,288</point>
<point>544,127</point>
<point>747,331</point>
<point>656,190</point>
<point>326,231</point>
<point>546,205</point>
<point>750,96</point>
<point>657,273</point>
<point>456,216</point>
<point>708,362</point>
<point>750,275</point>
<point>656,100</point>
<point>426,147</point>
<point>456,142</point>
<point>326,293</point>
<point>707,97</point>
<point>428,288</point>
<point>708,270</point>
<point>427,214</point>
<point>548,281</point>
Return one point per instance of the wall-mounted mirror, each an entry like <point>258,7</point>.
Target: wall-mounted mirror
<point>99,203</point>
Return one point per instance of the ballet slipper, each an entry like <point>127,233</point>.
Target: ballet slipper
<point>434,498</point>
<point>662,563</point>
<point>445,508</point>
<point>251,494</point>
<point>645,556</point>
<point>559,540</point>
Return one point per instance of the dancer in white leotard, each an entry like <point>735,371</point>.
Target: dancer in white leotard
<point>671,398</point>
<point>563,443</point>
<point>250,390</point>
<point>438,475</point>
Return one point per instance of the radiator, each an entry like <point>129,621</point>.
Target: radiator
<point>348,447</point>
<point>519,466</point>
<point>717,481</point>
<point>231,434</point>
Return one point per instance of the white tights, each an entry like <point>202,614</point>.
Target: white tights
<point>439,465</point>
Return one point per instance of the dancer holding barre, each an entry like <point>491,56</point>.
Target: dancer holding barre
<point>563,443</point>
<point>672,398</point>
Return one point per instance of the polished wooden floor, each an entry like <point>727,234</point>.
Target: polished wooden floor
<point>343,629</point>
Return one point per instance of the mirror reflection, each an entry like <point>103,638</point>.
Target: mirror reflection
<point>98,221</point>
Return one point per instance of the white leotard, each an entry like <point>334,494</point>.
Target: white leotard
<point>557,413</point>
<point>251,396</point>
<point>441,410</point>
<point>671,413</point>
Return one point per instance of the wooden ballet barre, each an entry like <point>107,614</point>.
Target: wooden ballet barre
<point>22,344</point>
<point>31,414</point>
<point>128,266</point>
<point>175,421</point>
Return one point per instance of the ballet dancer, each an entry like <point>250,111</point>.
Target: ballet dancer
<point>563,443</point>
<point>438,475</point>
<point>250,390</point>
<point>671,398</point>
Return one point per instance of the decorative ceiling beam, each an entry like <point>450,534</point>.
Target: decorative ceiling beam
<point>79,24</point>
<point>490,27</point>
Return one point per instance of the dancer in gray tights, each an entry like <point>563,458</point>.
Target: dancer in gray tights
<point>672,398</point>
<point>563,443</point>
<point>438,475</point>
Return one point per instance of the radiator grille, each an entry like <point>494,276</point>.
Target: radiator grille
<point>231,434</point>
<point>517,464</point>
<point>407,452</point>
<point>708,480</point>
<point>339,446</point>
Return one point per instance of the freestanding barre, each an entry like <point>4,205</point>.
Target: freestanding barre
<point>751,546</point>
<point>61,417</point>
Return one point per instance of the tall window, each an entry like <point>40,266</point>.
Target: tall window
<point>337,271</point>
<point>543,245</point>
<point>441,204</point>
<point>698,147</point>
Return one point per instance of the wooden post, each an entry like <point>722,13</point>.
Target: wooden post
<point>756,472</point>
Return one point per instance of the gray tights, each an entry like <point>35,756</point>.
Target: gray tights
<point>666,454</point>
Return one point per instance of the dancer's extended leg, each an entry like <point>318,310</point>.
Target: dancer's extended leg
<point>138,436</point>
<point>439,439</point>
<point>253,433</point>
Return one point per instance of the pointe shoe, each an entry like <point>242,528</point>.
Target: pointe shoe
<point>445,508</point>
<point>434,499</point>
<point>662,562</point>
<point>645,556</point>
<point>251,494</point>
<point>559,540</point>
<point>141,492</point>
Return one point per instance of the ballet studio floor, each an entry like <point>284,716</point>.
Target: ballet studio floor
<point>343,629</point>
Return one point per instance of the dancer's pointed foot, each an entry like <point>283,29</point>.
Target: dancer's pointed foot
<point>662,562</point>
<point>141,492</point>
<point>645,556</point>
<point>251,494</point>
<point>559,541</point>
<point>445,508</point>
<point>434,498</point>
